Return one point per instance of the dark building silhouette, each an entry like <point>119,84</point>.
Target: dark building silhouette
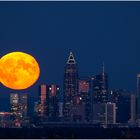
<point>123,112</point>
<point>100,87</point>
<point>70,86</point>
<point>42,104</point>
<point>19,104</point>
<point>122,99</point>
<point>53,107</point>
<point>133,108</point>
<point>84,93</point>
<point>47,106</point>
<point>78,109</point>
<point>104,113</point>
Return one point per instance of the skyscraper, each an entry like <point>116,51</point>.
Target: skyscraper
<point>104,113</point>
<point>53,102</point>
<point>84,93</point>
<point>19,105</point>
<point>78,109</point>
<point>70,86</point>
<point>42,104</point>
<point>100,87</point>
<point>122,98</point>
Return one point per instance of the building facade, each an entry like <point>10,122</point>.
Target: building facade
<point>100,88</point>
<point>70,86</point>
<point>122,98</point>
<point>104,113</point>
<point>84,93</point>
<point>47,107</point>
<point>42,105</point>
<point>53,102</point>
<point>19,105</point>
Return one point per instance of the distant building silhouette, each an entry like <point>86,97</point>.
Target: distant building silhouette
<point>70,88</point>
<point>60,104</point>
<point>53,102</point>
<point>133,107</point>
<point>78,109</point>
<point>47,106</point>
<point>104,113</point>
<point>19,105</point>
<point>7,119</point>
<point>42,104</point>
<point>84,89</point>
<point>100,87</point>
<point>123,99</point>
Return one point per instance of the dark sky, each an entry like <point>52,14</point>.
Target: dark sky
<point>93,31</point>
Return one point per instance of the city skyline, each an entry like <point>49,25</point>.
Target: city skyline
<point>95,80</point>
<point>69,68</point>
<point>102,69</point>
<point>85,100</point>
<point>95,32</point>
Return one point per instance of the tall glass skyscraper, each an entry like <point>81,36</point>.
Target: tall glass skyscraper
<point>70,86</point>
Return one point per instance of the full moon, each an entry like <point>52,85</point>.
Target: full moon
<point>18,70</point>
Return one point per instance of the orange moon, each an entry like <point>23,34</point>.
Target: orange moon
<point>18,70</point>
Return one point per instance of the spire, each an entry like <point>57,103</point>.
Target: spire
<point>103,68</point>
<point>103,76</point>
<point>71,59</point>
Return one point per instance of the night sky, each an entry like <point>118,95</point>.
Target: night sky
<point>93,31</point>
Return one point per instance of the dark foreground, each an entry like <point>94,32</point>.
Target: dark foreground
<point>69,132</point>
